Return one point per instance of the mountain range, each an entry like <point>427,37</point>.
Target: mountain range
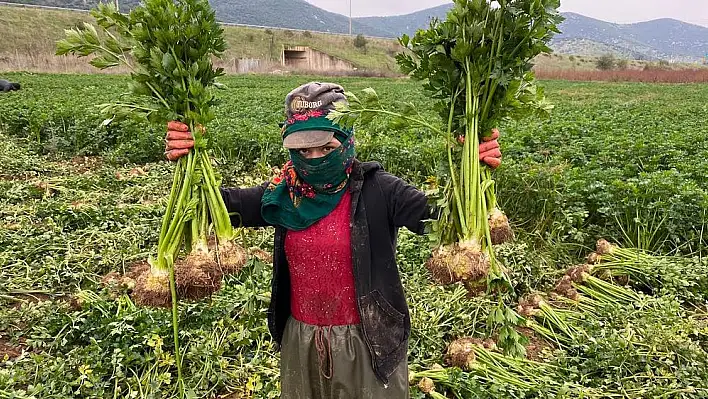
<point>408,24</point>
<point>665,39</point>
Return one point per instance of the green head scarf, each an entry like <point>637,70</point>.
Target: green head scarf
<point>309,189</point>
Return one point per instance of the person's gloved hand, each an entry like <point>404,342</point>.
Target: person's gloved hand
<point>179,140</point>
<point>489,151</point>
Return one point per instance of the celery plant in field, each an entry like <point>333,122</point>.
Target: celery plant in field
<point>168,47</point>
<point>684,278</point>
<point>476,67</point>
<point>482,366</point>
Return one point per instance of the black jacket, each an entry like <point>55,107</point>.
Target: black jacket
<point>381,203</point>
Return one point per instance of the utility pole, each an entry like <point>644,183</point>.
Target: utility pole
<point>350,17</point>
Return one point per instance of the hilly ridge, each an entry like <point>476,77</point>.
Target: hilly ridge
<point>666,38</point>
<point>658,39</point>
<point>299,15</point>
<point>399,24</point>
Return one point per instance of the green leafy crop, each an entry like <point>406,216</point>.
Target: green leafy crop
<point>168,47</point>
<point>488,47</point>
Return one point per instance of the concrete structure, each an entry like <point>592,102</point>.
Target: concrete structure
<point>245,65</point>
<point>306,58</point>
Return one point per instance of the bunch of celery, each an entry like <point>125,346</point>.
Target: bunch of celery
<point>168,47</point>
<point>476,66</point>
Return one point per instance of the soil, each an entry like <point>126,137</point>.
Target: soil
<point>134,270</point>
<point>34,298</point>
<point>233,396</point>
<point>85,164</point>
<point>21,176</point>
<point>263,256</point>
<point>9,350</point>
<point>536,346</point>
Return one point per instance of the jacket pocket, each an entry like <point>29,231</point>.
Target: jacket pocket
<point>383,324</point>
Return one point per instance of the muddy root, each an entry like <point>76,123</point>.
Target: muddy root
<point>565,288</point>
<point>153,290</point>
<point>499,228</point>
<point>426,385</point>
<point>471,264</point>
<point>594,258</point>
<point>263,256</point>
<point>460,353</point>
<point>603,247</point>
<point>197,276</point>
<point>579,273</point>
<point>232,257</point>
<point>529,305</point>
<point>437,265</point>
<point>458,262</point>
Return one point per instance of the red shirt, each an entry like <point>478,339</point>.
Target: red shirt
<point>321,273</point>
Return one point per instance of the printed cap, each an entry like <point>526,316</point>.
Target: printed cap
<point>310,103</point>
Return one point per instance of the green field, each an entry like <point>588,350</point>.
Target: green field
<point>78,199</point>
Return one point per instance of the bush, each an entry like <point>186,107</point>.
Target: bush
<point>622,64</point>
<point>605,62</point>
<point>571,58</point>
<point>307,34</point>
<point>360,41</point>
<point>657,66</point>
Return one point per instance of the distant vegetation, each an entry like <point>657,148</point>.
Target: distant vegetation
<point>606,62</point>
<point>360,42</point>
<point>32,47</point>
<point>652,73</point>
<point>300,14</point>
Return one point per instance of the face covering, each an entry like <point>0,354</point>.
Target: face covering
<point>308,189</point>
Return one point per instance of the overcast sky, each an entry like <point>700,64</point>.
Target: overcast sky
<point>621,11</point>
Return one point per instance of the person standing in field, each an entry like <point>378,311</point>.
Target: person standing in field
<point>337,309</point>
